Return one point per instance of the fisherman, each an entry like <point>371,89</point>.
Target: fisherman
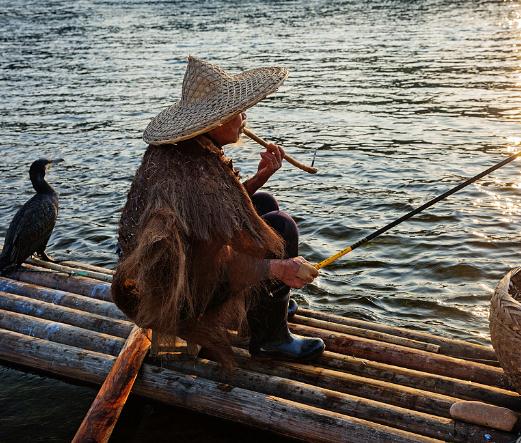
<point>199,251</point>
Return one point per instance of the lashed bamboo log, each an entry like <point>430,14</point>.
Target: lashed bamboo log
<point>441,384</point>
<point>355,346</point>
<point>62,314</point>
<point>87,266</point>
<point>97,346</point>
<point>407,419</point>
<point>359,332</point>
<point>60,333</point>
<point>68,299</point>
<point>98,424</point>
<point>407,357</point>
<point>78,285</point>
<point>68,270</point>
<point>255,409</point>
<point>448,346</point>
<point>382,391</point>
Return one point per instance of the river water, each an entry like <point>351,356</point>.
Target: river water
<point>402,101</point>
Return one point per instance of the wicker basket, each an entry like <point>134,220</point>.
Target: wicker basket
<point>505,325</point>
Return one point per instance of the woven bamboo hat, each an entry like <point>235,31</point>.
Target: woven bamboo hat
<point>210,97</point>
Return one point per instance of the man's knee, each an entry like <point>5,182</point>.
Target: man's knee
<point>264,202</point>
<point>284,224</point>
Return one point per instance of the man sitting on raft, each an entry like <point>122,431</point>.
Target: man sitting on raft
<point>199,251</point>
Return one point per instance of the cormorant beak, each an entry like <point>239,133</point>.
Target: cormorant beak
<point>52,162</point>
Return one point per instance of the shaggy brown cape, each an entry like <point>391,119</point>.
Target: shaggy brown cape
<point>193,246</point>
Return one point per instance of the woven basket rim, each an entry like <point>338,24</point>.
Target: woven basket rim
<point>502,288</point>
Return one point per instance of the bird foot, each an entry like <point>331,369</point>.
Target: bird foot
<point>45,257</point>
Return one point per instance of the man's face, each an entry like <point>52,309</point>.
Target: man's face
<point>230,131</point>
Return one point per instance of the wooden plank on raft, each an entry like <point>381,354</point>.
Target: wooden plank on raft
<point>268,412</point>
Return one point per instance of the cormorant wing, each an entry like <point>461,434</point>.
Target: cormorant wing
<point>31,227</point>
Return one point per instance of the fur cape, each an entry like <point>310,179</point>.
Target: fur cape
<point>193,246</point>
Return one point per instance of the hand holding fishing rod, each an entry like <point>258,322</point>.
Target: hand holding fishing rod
<point>412,213</point>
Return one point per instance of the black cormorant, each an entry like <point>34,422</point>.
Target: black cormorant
<point>32,225</point>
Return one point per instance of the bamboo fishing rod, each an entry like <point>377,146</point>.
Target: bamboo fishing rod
<point>380,231</point>
<point>262,142</point>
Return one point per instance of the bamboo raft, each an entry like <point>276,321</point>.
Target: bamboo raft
<point>374,382</point>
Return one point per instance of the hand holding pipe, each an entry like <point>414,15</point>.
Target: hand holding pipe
<point>289,159</point>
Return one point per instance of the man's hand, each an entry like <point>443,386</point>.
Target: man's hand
<point>271,161</point>
<point>295,272</point>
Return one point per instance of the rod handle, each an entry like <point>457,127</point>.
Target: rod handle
<point>289,159</point>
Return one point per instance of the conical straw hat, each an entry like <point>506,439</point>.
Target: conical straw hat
<point>210,97</point>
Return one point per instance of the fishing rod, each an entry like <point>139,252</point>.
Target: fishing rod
<point>380,231</point>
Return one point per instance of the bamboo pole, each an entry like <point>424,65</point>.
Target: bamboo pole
<point>98,424</point>
<point>426,381</point>
<point>448,346</point>
<point>87,267</point>
<point>407,357</point>
<point>372,335</point>
<point>62,314</point>
<point>60,333</point>
<point>343,343</point>
<point>383,413</point>
<point>62,298</point>
<point>384,391</point>
<point>358,385</point>
<point>50,279</point>
<point>68,270</point>
<point>268,412</point>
